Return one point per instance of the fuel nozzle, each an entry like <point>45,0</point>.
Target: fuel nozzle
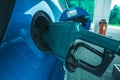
<point>61,40</point>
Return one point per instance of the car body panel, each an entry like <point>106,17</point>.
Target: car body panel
<point>20,59</point>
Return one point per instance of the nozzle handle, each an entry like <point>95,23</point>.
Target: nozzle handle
<point>72,63</point>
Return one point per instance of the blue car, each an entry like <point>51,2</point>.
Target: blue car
<point>21,57</point>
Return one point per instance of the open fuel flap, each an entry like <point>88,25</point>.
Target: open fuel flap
<point>39,28</point>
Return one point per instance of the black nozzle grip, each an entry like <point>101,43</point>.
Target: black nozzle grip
<point>71,63</point>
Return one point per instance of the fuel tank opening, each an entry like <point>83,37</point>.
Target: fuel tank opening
<point>39,27</point>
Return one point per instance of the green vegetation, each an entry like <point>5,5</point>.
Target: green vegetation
<point>88,5</point>
<point>116,25</point>
<point>114,18</point>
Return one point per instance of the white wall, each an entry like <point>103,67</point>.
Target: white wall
<point>101,11</point>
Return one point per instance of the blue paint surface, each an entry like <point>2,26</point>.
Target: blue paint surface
<point>79,12</point>
<point>20,59</point>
